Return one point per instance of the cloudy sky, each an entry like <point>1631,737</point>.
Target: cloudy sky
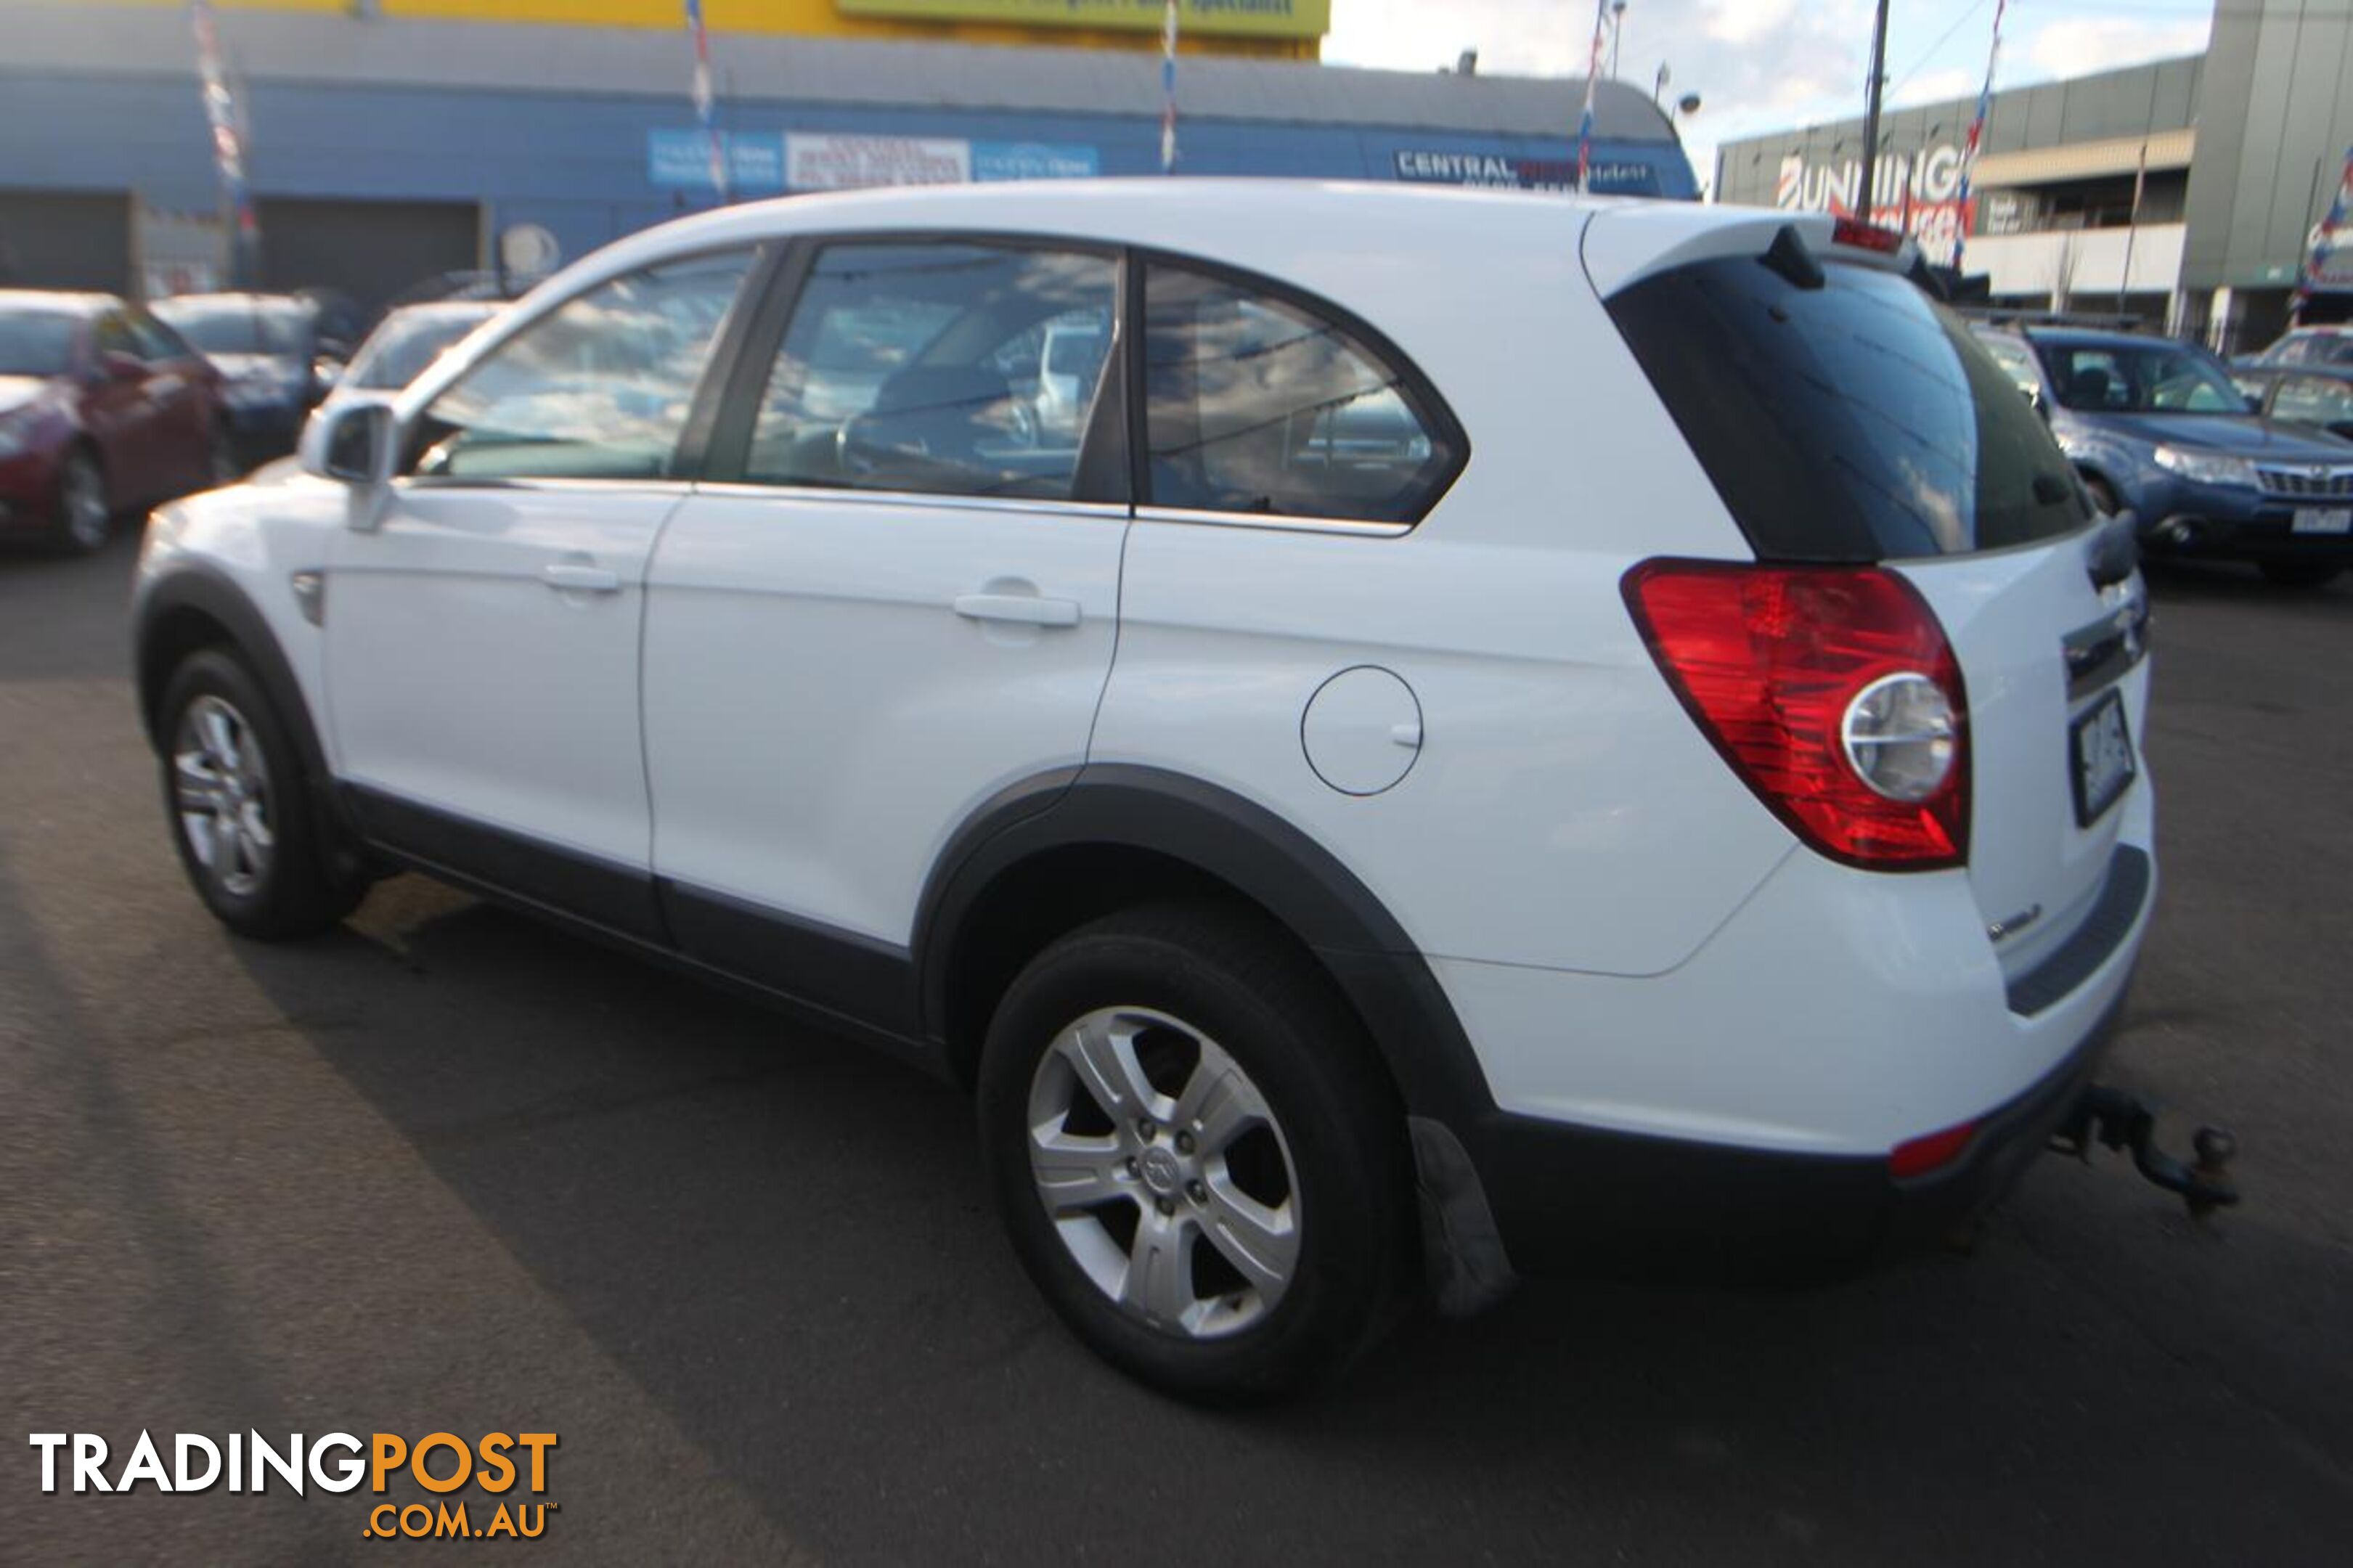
<point>1765,65</point>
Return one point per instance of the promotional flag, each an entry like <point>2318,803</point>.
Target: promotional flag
<point>1977,134</point>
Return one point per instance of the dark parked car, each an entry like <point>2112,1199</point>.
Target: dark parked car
<point>2158,428</point>
<point>2315,397</point>
<point>409,339</point>
<point>280,353</point>
<point>102,410</point>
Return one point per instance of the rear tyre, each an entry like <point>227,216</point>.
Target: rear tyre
<point>1194,1153</point>
<point>83,519</point>
<point>2299,574</point>
<point>241,812</point>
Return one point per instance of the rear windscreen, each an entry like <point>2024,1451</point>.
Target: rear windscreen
<point>1856,420</point>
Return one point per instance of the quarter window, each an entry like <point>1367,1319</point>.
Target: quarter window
<point>599,388</point>
<point>1255,404</point>
<point>942,368</point>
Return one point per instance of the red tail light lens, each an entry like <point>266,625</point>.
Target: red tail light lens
<point>1831,691</point>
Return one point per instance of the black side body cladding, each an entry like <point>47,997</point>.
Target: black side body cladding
<point>1247,848</point>
<point>171,619</point>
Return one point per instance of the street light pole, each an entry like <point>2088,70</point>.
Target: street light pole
<point>1616,34</point>
<point>1658,83</point>
<point>1871,112</point>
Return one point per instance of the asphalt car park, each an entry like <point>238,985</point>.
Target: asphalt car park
<point>448,1170</point>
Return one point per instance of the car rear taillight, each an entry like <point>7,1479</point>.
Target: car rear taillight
<point>1831,691</point>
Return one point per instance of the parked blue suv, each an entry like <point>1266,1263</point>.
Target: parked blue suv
<point>2158,428</point>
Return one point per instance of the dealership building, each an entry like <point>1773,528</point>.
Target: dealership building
<point>2186,192</point>
<point>388,141</point>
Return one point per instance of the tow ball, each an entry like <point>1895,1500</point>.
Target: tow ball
<point>2117,1119</point>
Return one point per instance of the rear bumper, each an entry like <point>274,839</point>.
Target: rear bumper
<point>1572,1200</point>
<point>1734,1119</point>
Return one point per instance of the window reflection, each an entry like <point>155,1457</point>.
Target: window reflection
<point>600,388</point>
<point>1256,405</point>
<point>947,369</point>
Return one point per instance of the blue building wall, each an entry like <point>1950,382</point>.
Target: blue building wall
<point>579,163</point>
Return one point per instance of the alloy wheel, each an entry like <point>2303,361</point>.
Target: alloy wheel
<point>221,788</point>
<point>1165,1173</point>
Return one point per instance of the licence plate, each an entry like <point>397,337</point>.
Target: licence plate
<point>2322,520</point>
<point>2101,742</point>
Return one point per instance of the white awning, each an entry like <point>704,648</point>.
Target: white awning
<point>2085,160</point>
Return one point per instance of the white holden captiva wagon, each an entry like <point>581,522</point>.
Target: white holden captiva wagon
<point>1453,734</point>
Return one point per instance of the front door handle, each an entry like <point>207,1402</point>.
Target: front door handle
<point>569,578</point>
<point>1022,609</point>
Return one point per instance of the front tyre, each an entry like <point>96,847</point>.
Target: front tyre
<point>1194,1153</point>
<point>240,811</point>
<point>84,520</point>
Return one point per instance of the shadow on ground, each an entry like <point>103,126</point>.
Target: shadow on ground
<point>784,1240</point>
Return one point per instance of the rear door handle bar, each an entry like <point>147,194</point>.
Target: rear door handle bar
<point>1022,609</point>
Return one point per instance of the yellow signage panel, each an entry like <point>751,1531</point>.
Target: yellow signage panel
<point>1229,18</point>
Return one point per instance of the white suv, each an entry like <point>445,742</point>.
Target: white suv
<point>1514,734</point>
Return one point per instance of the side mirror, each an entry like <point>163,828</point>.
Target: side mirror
<point>2255,403</point>
<point>352,443</point>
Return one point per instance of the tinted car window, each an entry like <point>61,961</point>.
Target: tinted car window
<point>397,352</point>
<point>110,334</point>
<point>2313,400</point>
<point>2138,378</point>
<point>37,342</point>
<point>1856,420</point>
<point>2013,357</point>
<point>1257,403</point>
<point>235,324</point>
<point>598,388</point>
<point>913,367</point>
<point>155,342</point>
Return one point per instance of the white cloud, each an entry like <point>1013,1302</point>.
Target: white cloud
<point>2077,46</point>
<point>1937,86</point>
<point>1760,65</point>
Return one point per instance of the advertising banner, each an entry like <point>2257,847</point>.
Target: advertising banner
<point>1034,160</point>
<point>1919,193</point>
<point>831,162</point>
<point>1605,174</point>
<point>1230,18</point>
<point>769,162</point>
<point>680,161</point>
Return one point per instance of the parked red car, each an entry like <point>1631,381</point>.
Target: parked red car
<point>104,409</point>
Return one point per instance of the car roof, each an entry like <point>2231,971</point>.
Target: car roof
<point>2092,338</point>
<point>230,296</point>
<point>76,301</point>
<point>2336,370</point>
<point>452,310</point>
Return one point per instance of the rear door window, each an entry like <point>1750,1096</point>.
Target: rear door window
<point>1261,404</point>
<point>918,368</point>
<point>1853,421</point>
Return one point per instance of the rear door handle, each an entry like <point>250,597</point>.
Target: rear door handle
<point>571,578</point>
<point>1022,609</point>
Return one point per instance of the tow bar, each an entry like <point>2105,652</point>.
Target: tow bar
<point>2118,1119</point>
